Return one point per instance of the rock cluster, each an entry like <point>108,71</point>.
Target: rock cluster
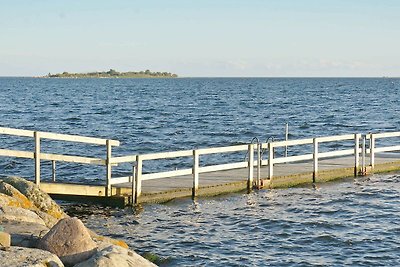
<point>34,231</point>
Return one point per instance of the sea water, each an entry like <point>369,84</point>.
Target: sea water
<point>352,222</point>
<point>156,115</point>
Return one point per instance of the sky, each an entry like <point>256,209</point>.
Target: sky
<point>207,38</point>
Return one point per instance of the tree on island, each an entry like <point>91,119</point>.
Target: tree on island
<point>113,72</point>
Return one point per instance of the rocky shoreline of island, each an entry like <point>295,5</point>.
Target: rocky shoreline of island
<point>113,74</point>
<point>35,231</point>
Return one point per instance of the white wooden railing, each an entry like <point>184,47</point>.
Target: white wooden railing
<point>252,161</point>
<point>38,156</point>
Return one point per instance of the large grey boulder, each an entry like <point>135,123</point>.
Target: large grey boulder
<point>19,257</point>
<point>115,256</point>
<point>38,197</point>
<point>70,240</point>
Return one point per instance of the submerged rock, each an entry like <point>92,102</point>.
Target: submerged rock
<point>70,240</point>
<point>19,256</point>
<point>115,256</point>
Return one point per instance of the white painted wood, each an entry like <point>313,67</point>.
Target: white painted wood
<point>336,153</point>
<point>53,170</point>
<point>17,154</point>
<point>335,138</point>
<point>138,178</point>
<point>166,155</point>
<point>17,132</point>
<point>250,167</point>
<point>167,174</point>
<point>392,134</point>
<point>286,138</point>
<point>195,173</point>
<point>37,158</point>
<point>372,150</point>
<point>120,180</point>
<point>271,160</point>
<point>124,159</point>
<point>78,139</point>
<point>73,159</point>
<point>293,142</point>
<point>387,149</point>
<point>315,159</point>
<point>108,168</point>
<point>258,183</point>
<point>55,136</point>
<point>225,149</point>
<point>356,153</point>
<point>223,167</point>
<point>293,158</point>
<point>363,152</point>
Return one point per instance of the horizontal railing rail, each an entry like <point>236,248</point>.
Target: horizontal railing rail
<point>196,169</point>
<point>254,156</point>
<point>372,145</point>
<point>39,156</point>
<point>315,155</point>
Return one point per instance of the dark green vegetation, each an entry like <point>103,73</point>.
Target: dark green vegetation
<point>114,74</point>
<point>156,259</point>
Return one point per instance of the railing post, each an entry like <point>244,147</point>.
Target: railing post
<point>133,185</point>
<point>286,138</point>
<point>138,178</point>
<point>270,160</point>
<point>372,151</point>
<point>37,158</point>
<point>53,168</point>
<point>250,167</point>
<point>108,167</point>
<point>363,152</point>
<point>195,173</point>
<point>315,159</point>
<point>259,162</point>
<point>356,153</point>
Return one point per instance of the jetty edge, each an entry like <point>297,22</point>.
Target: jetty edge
<point>256,165</point>
<point>35,231</point>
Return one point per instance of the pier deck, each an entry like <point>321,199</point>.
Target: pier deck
<point>353,154</point>
<point>218,182</point>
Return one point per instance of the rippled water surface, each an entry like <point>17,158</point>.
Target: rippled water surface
<point>352,222</point>
<point>154,115</point>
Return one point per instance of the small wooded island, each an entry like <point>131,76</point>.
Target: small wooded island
<point>114,74</point>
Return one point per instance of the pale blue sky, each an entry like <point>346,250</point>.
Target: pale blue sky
<point>202,38</point>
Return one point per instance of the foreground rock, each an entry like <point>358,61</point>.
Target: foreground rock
<point>19,215</point>
<point>40,199</point>
<point>115,256</point>
<point>70,240</point>
<point>24,234</point>
<point>19,256</point>
<point>5,240</point>
<point>27,214</point>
